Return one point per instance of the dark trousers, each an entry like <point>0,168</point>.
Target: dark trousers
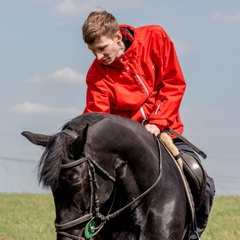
<point>203,212</point>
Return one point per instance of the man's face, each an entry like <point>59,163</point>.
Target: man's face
<point>107,49</point>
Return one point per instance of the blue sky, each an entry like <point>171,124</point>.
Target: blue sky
<point>44,61</point>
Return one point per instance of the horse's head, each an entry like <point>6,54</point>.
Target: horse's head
<point>74,178</point>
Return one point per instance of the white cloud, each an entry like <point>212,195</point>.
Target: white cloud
<point>65,75</point>
<point>30,108</point>
<point>68,8</point>
<point>76,8</point>
<point>226,17</point>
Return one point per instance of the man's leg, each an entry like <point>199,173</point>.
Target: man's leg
<point>203,212</point>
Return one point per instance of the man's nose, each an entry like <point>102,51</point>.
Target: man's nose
<point>99,56</point>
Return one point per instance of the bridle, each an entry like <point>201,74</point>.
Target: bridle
<point>94,213</point>
<point>94,200</point>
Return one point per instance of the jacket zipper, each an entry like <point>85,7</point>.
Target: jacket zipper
<point>157,109</point>
<point>143,113</point>
<point>143,85</point>
<point>146,91</point>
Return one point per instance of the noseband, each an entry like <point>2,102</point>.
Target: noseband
<point>90,229</point>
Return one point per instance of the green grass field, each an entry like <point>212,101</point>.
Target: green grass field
<point>31,217</point>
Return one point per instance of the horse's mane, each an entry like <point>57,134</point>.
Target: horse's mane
<point>50,163</point>
<point>79,122</point>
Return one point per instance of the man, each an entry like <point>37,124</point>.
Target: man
<point>136,74</point>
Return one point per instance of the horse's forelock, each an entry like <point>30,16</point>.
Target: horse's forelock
<point>50,163</point>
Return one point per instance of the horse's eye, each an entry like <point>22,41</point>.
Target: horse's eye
<point>72,176</point>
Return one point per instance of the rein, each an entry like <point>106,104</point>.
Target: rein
<point>94,196</point>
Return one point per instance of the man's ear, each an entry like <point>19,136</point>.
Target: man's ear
<point>118,36</point>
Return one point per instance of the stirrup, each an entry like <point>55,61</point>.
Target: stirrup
<point>193,236</point>
<point>192,231</point>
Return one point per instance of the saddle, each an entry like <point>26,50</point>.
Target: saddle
<point>195,175</point>
<point>192,172</point>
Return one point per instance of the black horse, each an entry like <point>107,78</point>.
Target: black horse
<point>112,179</point>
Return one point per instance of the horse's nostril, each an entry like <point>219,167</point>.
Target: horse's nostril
<point>74,176</point>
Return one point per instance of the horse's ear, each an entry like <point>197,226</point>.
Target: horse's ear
<point>78,144</point>
<point>35,138</point>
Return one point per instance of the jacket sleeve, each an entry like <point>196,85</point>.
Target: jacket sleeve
<point>170,83</point>
<point>97,98</point>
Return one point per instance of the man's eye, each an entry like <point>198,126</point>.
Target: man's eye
<point>99,50</point>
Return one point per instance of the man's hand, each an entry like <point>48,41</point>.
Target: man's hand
<point>152,128</point>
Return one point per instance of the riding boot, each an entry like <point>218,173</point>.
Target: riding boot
<point>204,195</point>
<point>202,214</point>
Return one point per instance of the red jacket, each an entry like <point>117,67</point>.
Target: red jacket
<point>145,84</point>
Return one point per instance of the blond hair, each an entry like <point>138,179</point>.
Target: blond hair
<point>98,24</point>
